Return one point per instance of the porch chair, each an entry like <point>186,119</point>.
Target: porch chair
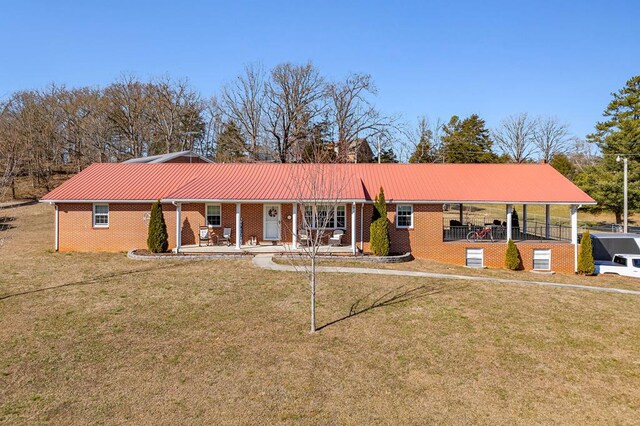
<point>336,238</point>
<point>303,237</point>
<point>203,235</point>
<point>226,237</point>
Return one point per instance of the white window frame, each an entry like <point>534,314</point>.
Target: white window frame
<point>206,214</point>
<point>314,215</point>
<point>398,206</point>
<point>94,214</point>
<point>533,259</point>
<point>467,257</point>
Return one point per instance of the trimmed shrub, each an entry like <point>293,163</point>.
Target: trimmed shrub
<point>512,258</point>
<point>157,237</point>
<point>586,265</point>
<point>378,231</point>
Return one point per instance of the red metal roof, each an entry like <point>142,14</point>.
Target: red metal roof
<point>476,183</point>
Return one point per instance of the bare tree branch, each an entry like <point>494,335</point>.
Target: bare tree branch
<point>515,137</point>
<point>243,102</point>
<point>550,137</point>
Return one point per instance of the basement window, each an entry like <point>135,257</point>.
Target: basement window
<point>101,215</point>
<point>542,260</point>
<point>475,258</point>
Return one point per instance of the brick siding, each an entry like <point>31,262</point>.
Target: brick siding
<point>128,229</point>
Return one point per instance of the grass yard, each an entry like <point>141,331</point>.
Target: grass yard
<point>99,338</point>
<point>424,265</point>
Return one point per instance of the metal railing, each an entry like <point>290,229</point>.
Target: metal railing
<point>534,231</point>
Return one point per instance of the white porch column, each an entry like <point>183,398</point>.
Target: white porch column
<point>178,227</point>
<point>353,228</point>
<point>509,227</point>
<point>294,227</point>
<point>547,220</point>
<point>524,219</point>
<point>574,234</point>
<point>238,226</point>
<point>57,229</point>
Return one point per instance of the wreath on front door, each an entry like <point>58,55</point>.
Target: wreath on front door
<point>273,212</point>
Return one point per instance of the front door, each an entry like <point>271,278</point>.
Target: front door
<point>272,222</point>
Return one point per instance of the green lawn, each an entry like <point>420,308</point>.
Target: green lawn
<point>99,338</point>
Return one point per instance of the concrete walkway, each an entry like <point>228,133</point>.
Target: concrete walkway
<point>265,261</point>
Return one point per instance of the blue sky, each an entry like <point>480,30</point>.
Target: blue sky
<point>433,58</point>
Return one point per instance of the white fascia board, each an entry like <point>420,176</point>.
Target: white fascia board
<point>562,203</point>
<point>245,201</point>
<point>98,201</point>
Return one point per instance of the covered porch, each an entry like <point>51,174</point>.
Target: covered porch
<point>535,222</point>
<point>264,248</point>
<point>264,227</point>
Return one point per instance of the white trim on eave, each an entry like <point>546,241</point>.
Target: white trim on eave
<point>392,201</point>
<point>356,200</point>
<point>247,201</point>
<point>101,201</point>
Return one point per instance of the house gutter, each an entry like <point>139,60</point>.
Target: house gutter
<point>362,227</point>
<point>178,207</point>
<point>56,238</point>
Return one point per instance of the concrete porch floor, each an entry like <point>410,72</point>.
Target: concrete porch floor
<point>262,248</point>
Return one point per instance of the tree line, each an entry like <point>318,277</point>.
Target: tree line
<point>290,113</point>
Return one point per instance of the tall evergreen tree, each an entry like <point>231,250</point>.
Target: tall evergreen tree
<point>378,230</point>
<point>618,135</point>
<point>157,238</point>
<point>388,156</point>
<point>563,164</point>
<point>230,145</point>
<point>586,265</point>
<point>424,150</point>
<point>467,141</point>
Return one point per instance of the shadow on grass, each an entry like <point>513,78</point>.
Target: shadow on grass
<point>398,295</point>
<point>92,280</point>
<point>5,224</point>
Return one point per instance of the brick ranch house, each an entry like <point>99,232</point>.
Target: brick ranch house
<point>106,207</point>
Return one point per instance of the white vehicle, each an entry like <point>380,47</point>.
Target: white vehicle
<point>621,264</point>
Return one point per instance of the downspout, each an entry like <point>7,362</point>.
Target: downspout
<point>56,240</point>
<point>362,228</point>
<point>178,225</point>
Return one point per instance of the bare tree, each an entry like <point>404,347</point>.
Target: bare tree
<point>86,131</point>
<point>174,109</point>
<point>582,153</point>
<point>515,137</point>
<point>319,188</point>
<point>213,119</point>
<point>10,148</point>
<point>353,114</point>
<point>128,115</point>
<point>551,137</point>
<point>243,102</point>
<point>294,98</point>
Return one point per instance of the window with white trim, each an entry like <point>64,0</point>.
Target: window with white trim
<point>542,259</point>
<point>404,216</point>
<point>325,216</point>
<point>475,258</point>
<point>341,217</point>
<point>101,215</point>
<point>214,215</point>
